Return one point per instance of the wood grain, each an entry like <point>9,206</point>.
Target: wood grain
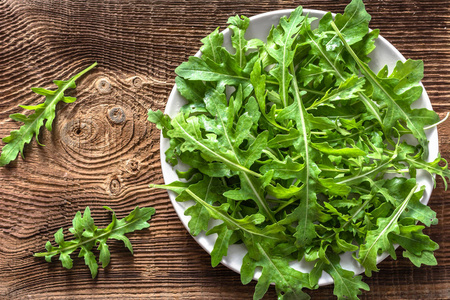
<point>103,151</point>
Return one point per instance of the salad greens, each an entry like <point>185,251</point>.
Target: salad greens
<point>42,112</point>
<point>88,236</point>
<point>298,147</point>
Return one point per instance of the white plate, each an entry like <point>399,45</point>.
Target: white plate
<point>384,54</point>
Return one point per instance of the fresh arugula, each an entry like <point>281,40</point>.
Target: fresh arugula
<point>292,144</point>
<point>42,112</point>
<point>88,236</point>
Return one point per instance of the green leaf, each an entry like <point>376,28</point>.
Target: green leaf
<point>378,239</point>
<point>285,169</point>
<point>397,189</point>
<point>87,235</point>
<point>426,258</point>
<point>346,284</point>
<point>44,112</point>
<point>238,26</point>
<point>306,211</point>
<point>345,152</point>
<point>275,269</point>
<point>412,239</point>
<point>353,24</point>
<point>199,69</point>
<point>283,37</point>
<point>222,243</point>
<point>210,190</point>
<point>246,224</point>
<point>211,46</point>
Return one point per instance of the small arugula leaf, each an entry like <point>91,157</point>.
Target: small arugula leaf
<point>224,239</point>
<point>426,258</point>
<point>87,236</point>
<point>305,212</point>
<point>284,53</point>
<point>259,83</point>
<point>275,269</point>
<point>246,224</point>
<point>348,89</point>
<point>353,24</point>
<point>42,112</point>
<point>198,69</point>
<point>341,74</point>
<point>396,189</point>
<point>378,239</point>
<point>346,285</point>
<point>412,239</point>
<point>211,46</point>
<point>431,167</point>
<point>285,169</point>
<point>209,189</point>
<point>238,26</point>
<point>344,152</point>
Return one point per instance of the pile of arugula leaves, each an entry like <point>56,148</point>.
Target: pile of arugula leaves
<point>289,143</point>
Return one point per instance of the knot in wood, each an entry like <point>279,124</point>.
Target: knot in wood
<point>114,186</point>
<point>117,115</point>
<point>137,82</point>
<point>132,166</point>
<point>77,130</point>
<point>103,85</point>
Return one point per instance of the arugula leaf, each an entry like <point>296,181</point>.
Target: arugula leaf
<point>88,236</point>
<point>284,53</point>
<point>275,268</point>
<point>224,239</point>
<point>378,238</point>
<point>346,285</point>
<point>353,24</point>
<point>211,47</point>
<point>42,112</point>
<point>239,25</point>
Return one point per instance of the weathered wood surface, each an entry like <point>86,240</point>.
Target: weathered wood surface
<point>92,158</point>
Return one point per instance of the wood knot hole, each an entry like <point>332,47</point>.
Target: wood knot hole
<point>132,166</point>
<point>137,82</point>
<point>78,130</point>
<point>114,186</point>
<point>117,115</point>
<point>103,85</point>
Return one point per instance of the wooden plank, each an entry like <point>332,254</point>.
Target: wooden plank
<point>92,159</point>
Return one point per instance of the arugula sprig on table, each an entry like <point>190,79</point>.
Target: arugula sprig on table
<point>44,112</point>
<point>290,142</point>
<point>87,236</point>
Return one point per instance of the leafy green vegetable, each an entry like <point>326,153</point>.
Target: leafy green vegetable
<point>298,148</point>
<point>88,236</point>
<point>42,112</point>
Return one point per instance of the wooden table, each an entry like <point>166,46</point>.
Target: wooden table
<point>92,159</point>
